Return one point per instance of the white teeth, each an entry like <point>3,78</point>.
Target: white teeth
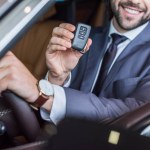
<point>131,11</point>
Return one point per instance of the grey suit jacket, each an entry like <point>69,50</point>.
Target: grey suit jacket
<point>126,87</point>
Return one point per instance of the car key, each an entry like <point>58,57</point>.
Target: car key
<point>81,36</point>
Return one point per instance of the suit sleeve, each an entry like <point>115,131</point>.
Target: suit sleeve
<point>88,106</point>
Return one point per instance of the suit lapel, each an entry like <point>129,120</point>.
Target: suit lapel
<point>131,48</point>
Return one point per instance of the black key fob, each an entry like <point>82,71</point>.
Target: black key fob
<point>82,33</point>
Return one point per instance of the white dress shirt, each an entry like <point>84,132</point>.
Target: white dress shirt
<point>58,110</point>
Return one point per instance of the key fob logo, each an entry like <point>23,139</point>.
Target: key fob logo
<point>82,32</point>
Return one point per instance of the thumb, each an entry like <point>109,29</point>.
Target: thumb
<point>87,46</point>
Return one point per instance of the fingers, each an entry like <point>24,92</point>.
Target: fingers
<point>87,46</point>
<point>7,70</point>
<point>6,80</point>
<point>67,26</point>
<point>61,37</point>
<point>64,30</point>
<point>57,42</point>
<point>7,59</point>
<point>3,85</point>
<point>16,77</point>
<point>7,76</point>
<point>89,43</point>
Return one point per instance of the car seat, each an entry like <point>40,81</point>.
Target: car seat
<point>31,48</point>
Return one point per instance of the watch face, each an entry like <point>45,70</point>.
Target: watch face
<point>46,87</point>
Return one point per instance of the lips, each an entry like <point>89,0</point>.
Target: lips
<point>132,10</point>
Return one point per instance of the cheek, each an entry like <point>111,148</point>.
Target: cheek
<point>147,13</point>
<point>148,9</point>
<point>114,4</point>
<point>147,5</point>
<point>117,4</point>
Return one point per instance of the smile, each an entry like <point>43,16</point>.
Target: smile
<point>132,9</point>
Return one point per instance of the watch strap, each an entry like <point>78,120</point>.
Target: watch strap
<point>40,101</point>
<point>45,91</point>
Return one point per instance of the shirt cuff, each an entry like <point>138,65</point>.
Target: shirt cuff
<point>67,81</point>
<point>58,110</point>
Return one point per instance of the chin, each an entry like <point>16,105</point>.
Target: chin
<point>130,25</point>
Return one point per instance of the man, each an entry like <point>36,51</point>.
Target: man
<point>72,75</point>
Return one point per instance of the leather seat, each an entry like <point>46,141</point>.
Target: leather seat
<point>135,120</point>
<point>31,48</point>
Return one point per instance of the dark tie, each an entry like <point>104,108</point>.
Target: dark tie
<point>107,61</point>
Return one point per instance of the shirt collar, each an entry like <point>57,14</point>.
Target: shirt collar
<point>129,34</point>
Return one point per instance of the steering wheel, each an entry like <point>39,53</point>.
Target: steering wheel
<point>24,114</point>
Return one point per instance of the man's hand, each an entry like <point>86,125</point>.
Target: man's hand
<point>60,57</point>
<point>16,77</point>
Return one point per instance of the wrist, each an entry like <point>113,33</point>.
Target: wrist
<point>34,93</point>
<point>45,93</point>
<point>57,79</point>
<point>48,104</point>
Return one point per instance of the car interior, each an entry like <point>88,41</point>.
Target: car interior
<point>26,28</point>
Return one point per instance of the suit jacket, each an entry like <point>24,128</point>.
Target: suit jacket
<point>126,87</point>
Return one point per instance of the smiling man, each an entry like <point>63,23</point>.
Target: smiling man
<point>111,78</point>
<point>130,14</point>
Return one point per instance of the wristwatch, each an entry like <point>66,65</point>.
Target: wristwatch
<point>45,91</point>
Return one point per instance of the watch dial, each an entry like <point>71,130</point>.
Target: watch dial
<point>46,87</point>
